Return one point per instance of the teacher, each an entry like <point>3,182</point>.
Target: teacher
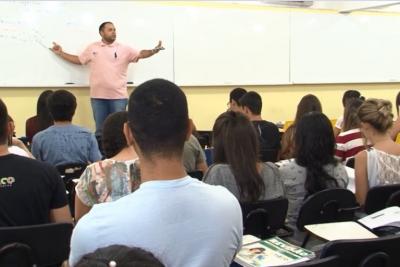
<point>108,62</point>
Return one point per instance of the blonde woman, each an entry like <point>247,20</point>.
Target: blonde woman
<point>380,164</point>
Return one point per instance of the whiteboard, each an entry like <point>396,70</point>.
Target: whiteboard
<point>28,28</point>
<point>205,44</point>
<point>335,48</point>
<point>231,46</point>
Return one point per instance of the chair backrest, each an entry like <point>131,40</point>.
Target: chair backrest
<point>287,125</point>
<point>394,199</point>
<point>71,170</point>
<point>262,218</point>
<point>196,174</point>
<point>16,255</point>
<point>378,196</point>
<point>329,205</point>
<point>49,243</point>
<point>332,261</point>
<point>376,252</point>
<point>350,162</point>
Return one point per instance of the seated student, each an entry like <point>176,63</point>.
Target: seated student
<point>64,142</point>
<point>16,146</point>
<point>350,141</point>
<point>396,125</point>
<point>237,166</point>
<point>117,255</point>
<point>314,167</point>
<point>112,178</point>
<point>182,221</point>
<point>268,133</point>
<point>381,163</point>
<point>31,192</point>
<point>349,94</point>
<point>42,120</point>
<point>234,96</point>
<point>194,158</point>
<point>309,103</point>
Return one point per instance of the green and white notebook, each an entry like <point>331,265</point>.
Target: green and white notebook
<point>271,252</point>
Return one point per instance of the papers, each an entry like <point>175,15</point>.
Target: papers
<point>386,217</point>
<point>340,230</point>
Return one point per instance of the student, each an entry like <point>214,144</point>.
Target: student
<point>381,163</point>
<point>194,158</point>
<point>314,167</point>
<point>309,103</point>
<point>234,96</point>
<point>16,146</point>
<point>182,221</point>
<point>349,94</point>
<point>396,125</point>
<point>64,143</point>
<point>268,133</point>
<point>112,178</point>
<point>117,255</point>
<point>31,192</point>
<point>350,141</point>
<point>237,166</point>
<point>42,120</point>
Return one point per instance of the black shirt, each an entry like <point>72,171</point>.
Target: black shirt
<point>29,189</point>
<point>270,141</point>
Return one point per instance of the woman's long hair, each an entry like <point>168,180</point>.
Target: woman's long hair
<point>315,148</point>
<point>236,144</point>
<point>45,119</point>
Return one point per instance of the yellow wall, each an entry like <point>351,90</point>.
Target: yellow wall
<point>206,103</point>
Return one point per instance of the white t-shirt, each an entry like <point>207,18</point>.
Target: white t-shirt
<point>18,151</point>
<point>183,222</point>
<point>339,123</point>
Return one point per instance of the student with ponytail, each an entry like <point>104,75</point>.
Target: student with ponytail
<point>381,163</point>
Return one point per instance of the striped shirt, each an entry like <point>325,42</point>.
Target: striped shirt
<point>348,144</point>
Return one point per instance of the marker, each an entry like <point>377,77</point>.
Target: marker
<point>115,54</point>
<point>129,82</point>
<point>69,83</point>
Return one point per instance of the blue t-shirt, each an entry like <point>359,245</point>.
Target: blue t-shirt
<point>59,145</point>
<point>183,222</point>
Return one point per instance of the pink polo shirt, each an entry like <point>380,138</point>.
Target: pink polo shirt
<point>108,68</point>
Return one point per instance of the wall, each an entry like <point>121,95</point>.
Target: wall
<point>206,103</point>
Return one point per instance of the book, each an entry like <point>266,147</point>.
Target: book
<point>340,230</point>
<point>383,218</point>
<point>271,252</point>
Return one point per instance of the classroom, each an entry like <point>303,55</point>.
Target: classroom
<point>274,111</point>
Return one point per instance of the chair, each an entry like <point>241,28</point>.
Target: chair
<point>332,261</point>
<point>378,196</point>
<point>16,255</point>
<point>46,244</point>
<point>263,218</point>
<point>196,174</point>
<point>394,200</point>
<point>350,162</point>
<point>287,125</point>
<point>69,172</point>
<point>376,252</point>
<point>329,205</point>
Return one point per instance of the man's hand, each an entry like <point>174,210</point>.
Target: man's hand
<point>57,49</point>
<point>158,47</point>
